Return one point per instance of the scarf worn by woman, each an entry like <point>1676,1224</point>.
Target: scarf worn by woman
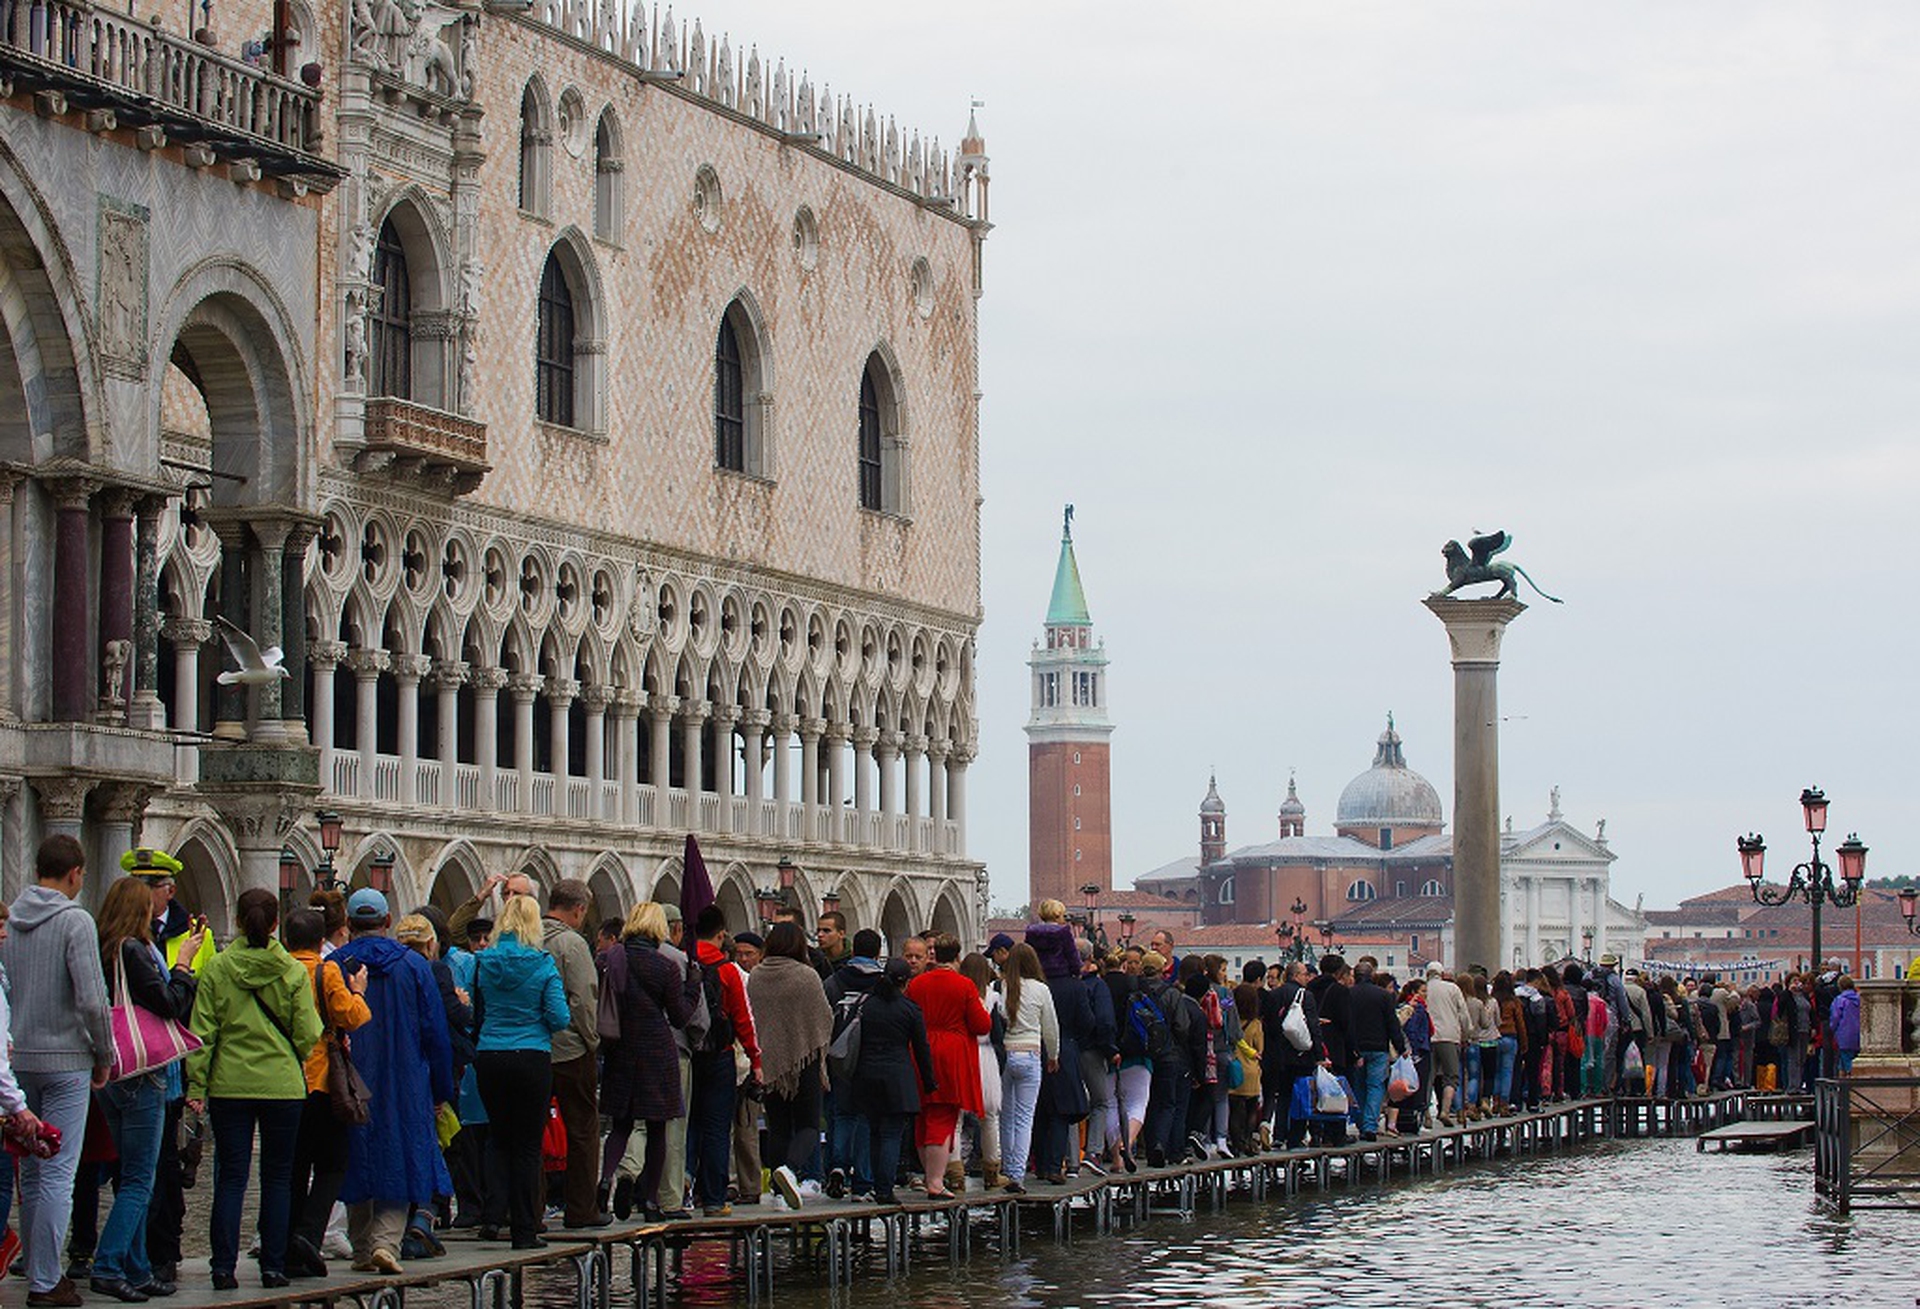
<point>792,1019</point>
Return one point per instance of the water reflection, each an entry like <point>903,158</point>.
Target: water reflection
<point>1627,1223</point>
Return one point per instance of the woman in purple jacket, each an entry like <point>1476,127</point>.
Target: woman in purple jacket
<point>1845,1018</point>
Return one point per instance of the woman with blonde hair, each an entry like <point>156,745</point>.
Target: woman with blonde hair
<point>640,1075</point>
<point>519,1004</point>
<point>1033,1041</point>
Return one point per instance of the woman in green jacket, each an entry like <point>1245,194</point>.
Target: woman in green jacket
<point>255,1012</point>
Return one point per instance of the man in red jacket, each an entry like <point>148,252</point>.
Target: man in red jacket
<point>710,1115</point>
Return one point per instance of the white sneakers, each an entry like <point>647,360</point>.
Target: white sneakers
<point>787,1186</point>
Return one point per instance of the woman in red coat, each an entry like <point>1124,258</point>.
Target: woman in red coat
<point>956,1020</point>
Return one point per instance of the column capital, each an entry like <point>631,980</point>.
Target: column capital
<point>756,720</point>
<point>321,654</point>
<point>188,631</point>
<point>864,738</point>
<point>124,802</point>
<point>663,706</point>
<point>72,492</point>
<point>1474,627</point>
<point>489,678</point>
<point>451,674</point>
<point>965,754</point>
<point>62,799</point>
<point>916,744</point>
<point>939,748</point>
<point>726,715</point>
<point>10,479</point>
<point>783,724</point>
<point>9,787</point>
<point>696,711</point>
<point>367,664</point>
<point>561,691</point>
<point>120,501</point>
<point>410,667</point>
<point>835,730</point>
<point>525,686</point>
<point>628,701</point>
<point>814,728</point>
<point>598,697</point>
<point>889,743</point>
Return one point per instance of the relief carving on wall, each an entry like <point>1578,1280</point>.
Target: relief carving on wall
<point>425,45</point>
<point>122,296</point>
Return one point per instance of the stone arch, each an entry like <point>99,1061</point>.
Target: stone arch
<point>665,887</point>
<point>573,253</point>
<point>897,919</point>
<point>949,916</point>
<point>429,274</point>
<point>457,873</point>
<point>50,391</point>
<point>409,886</point>
<point>612,887</point>
<point>228,329</point>
<point>609,184</point>
<point>734,894</point>
<point>882,425</point>
<point>747,323</point>
<point>210,882</point>
<point>537,862</point>
<point>536,147</point>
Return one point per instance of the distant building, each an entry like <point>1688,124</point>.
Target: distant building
<point>1727,933</point>
<point>1386,874</point>
<point>1069,814</point>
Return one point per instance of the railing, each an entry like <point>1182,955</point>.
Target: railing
<point>577,799</point>
<point>1866,1142</point>
<point>416,438</point>
<point>114,58</point>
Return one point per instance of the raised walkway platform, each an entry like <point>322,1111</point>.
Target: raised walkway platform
<point>838,1242</point>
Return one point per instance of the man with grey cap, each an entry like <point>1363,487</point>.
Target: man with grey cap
<point>673,1177</point>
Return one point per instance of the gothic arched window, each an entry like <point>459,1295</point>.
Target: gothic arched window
<point>536,146</point>
<point>553,350</point>
<point>870,483</point>
<point>729,400</point>
<point>391,343</point>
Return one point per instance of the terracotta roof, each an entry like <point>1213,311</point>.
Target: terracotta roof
<point>1416,910</point>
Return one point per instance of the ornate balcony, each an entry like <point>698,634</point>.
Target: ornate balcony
<point>125,72</point>
<point>405,439</point>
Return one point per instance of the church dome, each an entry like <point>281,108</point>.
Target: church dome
<point>1291,806</point>
<point>1389,794</point>
<point>1213,804</point>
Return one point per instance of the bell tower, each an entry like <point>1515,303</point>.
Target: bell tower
<point>1213,824</point>
<point>1069,816</point>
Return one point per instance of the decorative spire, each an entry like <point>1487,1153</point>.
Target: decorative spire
<point>1213,804</point>
<point>1068,607</point>
<point>1387,752</point>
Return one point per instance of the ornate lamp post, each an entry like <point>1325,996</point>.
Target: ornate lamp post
<point>1909,898</point>
<point>380,872</point>
<point>788,872</point>
<point>326,877</point>
<point>830,902</point>
<point>1092,893</point>
<point>1812,881</point>
<point>768,901</point>
<point>1126,927</point>
<point>1586,944</point>
<point>1326,935</point>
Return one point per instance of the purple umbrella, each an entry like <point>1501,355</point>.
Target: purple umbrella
<point>696,888</point>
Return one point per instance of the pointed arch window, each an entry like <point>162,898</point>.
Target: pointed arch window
<point>729,400</point>
<point>870,484</point>
<point>391,346</point>
<point>554,349</point>
<point>880,449</point>
<point>608,195</point>
<point>536,145</point>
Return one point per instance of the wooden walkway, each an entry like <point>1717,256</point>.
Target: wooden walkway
<point>1765,1135</point>
<point>838,1242</point>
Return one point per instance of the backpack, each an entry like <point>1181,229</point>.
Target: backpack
<point>1145,1035</point>
<point>719,1033</point>
<point>843,1053</point>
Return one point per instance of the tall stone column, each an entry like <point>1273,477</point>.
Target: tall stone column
<point>9,620</point>
<point>916,747</point>
<point>886,752</point>
<point>957,795</point>
<point>937,752</point>
<point>116,596</point>
<point>271,535</point>
<point>449,675</point>
<point>1474,630</point>
<point>293,627</point>
<point>72,667</point>
<point>693,726</point>
<point>487,683</point>
<point>627,704</point>
<point>660,713</point>
<point>753,732</point>
<point>830,804</point>
<point>146,711</point>
<point>560,694</point>
<point>864,739</point>
<point>524,687</point>
<point>597,698</point>
<point>408,669</point>
<point>326,656</point>
<point>367,665</point>
<point>810,732</point>
<point>188,636</point>
<point>230,701</point>
<point>782,727</point>
<point>724,718</point>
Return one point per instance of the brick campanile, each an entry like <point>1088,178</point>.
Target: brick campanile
<point>1069,814</point>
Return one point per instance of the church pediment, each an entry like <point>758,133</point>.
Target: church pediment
<point>1558,841</point>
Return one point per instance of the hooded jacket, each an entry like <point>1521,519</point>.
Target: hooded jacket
<point>244,992</point>
<point>518,1000</point>
<point>1059,952</point>
<point>52,957</point>
<point>404,1056</point>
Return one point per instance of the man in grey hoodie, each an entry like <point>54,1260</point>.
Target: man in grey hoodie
<point>52,957</point>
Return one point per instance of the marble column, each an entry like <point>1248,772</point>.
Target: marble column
<point>408,669</point>
<point>326,656</point>
<point>863,742</point>
<point>230,701</point>
<point>834,801</point>
<point>524,687</point>
<point>781,751</point>
<point>271,534</point>
<point>1474,631</point>
<point>487,684</point>
<point>121,807</point>
<point>725,716</point>
<point>810,733</point>
<point>293,628</point>
<point>560,694</point>
<point>116,597</point>
<point>72,666</point>
<point>886,752</point>
<point>449,675</point>
<point>937,752</point>
<point>367,665</point>
<point>660,714</point>
<point>916,747</point>
<point>1599,916</point>
<point>596,699</point>
<point>693,726</point>
<point>146,711</point>
<point>957,795</point>
<point>9,619</point>
<point>627,705</point>
<point>188,635</point>
<point>1533,920</point>
<point>753,731</point>
<point>63,805</point>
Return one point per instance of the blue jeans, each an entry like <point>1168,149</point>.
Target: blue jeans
<point>46,1185</point>
<point>1019,1091</point>
<point>886,1132</point>
<point>1846,1058</point>
<point>710,1127</point>
<point>1503,1079</point>
<point>1724,1056</point>
<point>852,1140</point>
<point>233,1121</point>
<point>1373,1087</point>
<point>136,1112</point>
<point>1469,1076</point>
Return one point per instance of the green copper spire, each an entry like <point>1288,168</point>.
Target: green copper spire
<point>1068,608</point>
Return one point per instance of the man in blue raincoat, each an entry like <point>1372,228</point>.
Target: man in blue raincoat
<point>394,1160</point>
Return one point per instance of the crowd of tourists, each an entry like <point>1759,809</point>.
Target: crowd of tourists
<point>509,1067</point>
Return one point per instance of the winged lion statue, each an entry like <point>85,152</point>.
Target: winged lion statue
<point>1475,563</point>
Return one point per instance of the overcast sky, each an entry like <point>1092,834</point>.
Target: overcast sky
<point>1282,296</point>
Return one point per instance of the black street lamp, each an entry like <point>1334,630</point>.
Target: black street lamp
<point>1126,927</point>
<point>1586,944</point>
<point>830,902</point>
<point>326,877</point>
<point>1812,881</point>
<point>789,873</point>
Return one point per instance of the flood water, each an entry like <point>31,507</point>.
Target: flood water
<point>1625,1223</point>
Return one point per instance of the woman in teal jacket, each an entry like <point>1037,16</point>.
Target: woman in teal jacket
<point>518,1004</point>
<point>254,1010</point>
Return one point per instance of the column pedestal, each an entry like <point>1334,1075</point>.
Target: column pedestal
<point>1474,630</point>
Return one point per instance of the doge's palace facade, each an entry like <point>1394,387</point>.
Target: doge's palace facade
<point>588,409</point>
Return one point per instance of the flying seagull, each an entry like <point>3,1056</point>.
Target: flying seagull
<point>257,667</point>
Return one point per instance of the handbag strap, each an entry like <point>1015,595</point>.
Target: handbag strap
<point>281,1028</point>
